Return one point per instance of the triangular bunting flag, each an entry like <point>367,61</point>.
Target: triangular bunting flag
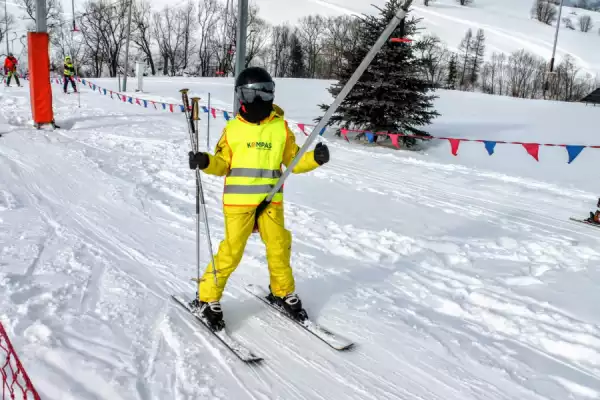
<point>226,115</point>
<point>490,146</point>
<point>182,107</point>
<point>105,92</point>
<point>146,103</point>
<point>454,143</point>
<point>205,109</point>
<point>394,137</point>
<point>574,151</point>
<point>213,112</point>
<point>301,127</point>
<point>164,106</point>
<point>137,101</point>
<point>370,137</point>
<point>131,100</point>
<point>533,149</point>
<point>171,107</point>
<point>344,133</point>
<point>83,81</point>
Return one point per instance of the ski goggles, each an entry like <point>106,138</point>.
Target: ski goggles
<point>248,93</point>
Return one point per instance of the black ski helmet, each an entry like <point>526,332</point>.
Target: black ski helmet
<point>253,75</point>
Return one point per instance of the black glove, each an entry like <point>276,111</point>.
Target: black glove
<point>200,160</point>
<point>321,154</point>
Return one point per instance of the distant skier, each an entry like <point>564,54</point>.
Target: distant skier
<point>68,74</point>
<point>595,216</point>
<point>250,153</point>
<point>10,69</point>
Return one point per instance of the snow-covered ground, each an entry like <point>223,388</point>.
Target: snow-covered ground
<point>458,277</point>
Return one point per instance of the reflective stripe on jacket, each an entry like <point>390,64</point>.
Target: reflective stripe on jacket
<point>69,69</point>
<point>257,153</point>
<point>252,169</point>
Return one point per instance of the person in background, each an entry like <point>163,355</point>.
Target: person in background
<point>595,216</point>
<point>68,74</point>
<point>10,69</point>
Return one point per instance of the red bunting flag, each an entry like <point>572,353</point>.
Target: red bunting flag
<point>213,112</point>
<point>171,107</point>
<point>137,101</point>
<point>344,133</point>
<point>533,149</point>
<point>394,137</point>
<point>301,127</point>
<point>454,143</point>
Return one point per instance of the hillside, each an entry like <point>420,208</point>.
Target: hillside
<point>507,24</point>
<point>459,278</point>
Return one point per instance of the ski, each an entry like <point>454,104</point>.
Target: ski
<point>241,351</point>
<point>583,221</point>
<point>334,340</point>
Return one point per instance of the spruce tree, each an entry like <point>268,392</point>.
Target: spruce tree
<point>391,95</point>
<point>452,73</point>
<point>297,68</point>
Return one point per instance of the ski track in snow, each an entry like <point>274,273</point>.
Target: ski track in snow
<point>446,288</point>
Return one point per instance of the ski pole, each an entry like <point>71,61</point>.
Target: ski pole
<point>400,14</point>
<point>208,126</point>
<point>200,191</point>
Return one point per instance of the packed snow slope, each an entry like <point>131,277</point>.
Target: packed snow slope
<point>457,277</point>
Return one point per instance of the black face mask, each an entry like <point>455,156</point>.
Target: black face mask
<point>256,111</point>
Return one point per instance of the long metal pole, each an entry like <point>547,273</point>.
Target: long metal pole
<point>127,47</point>
<point>6,22</point>
<point>547,84</point>
<point>400,14</point>
<point>40,16</point>
<point>240,46</point>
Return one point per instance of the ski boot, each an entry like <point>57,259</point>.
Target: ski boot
<point>291,303</point>
<point>211,312</point>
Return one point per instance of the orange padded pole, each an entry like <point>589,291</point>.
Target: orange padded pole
<point>39,78</point>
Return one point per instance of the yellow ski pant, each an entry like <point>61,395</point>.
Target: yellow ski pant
<point>239,223</point>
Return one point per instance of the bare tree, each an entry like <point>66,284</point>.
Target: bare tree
<point>104,30</point>
<point>477,54</point>
<point>209,15</point>
<point>544,11</point>
<point>256,36</point>
<point>311,34</point>
<point>280,38</point>
<point>7,24</point>
<point>465,55</point>
<point>340,36</point>
<point>53,13</point>
<point>170,27</point>
<point>465,2</point>
<point>585,23</point>
<point>435,58</point>
<point>141,21</point>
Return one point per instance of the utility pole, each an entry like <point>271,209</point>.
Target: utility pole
<point>40,16</point>
<point>6,22</point>
<point>240,46</point>
<point>127,47</point>
<point>547,85</point>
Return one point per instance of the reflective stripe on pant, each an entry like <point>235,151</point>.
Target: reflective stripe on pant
<point>239,222</point>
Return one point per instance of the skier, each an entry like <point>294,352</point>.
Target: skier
<point>250,153</point>
<point>68,73</point>
<point>595,217</point>
<point>10,69</point>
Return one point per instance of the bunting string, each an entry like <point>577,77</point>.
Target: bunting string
<point>533,149</point>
